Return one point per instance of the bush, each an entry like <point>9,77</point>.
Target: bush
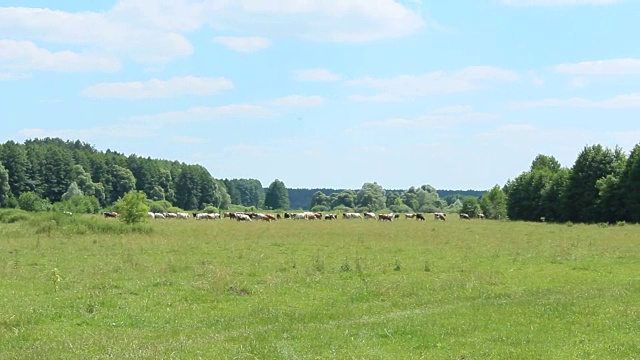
<point>133,208</point>
<point>30,201</point>
<point>211,209</point>
<point>79,204</point>
<point>401,209</point>
<point>10,216</point>
<point>160,206</point>
<point>320,208</point>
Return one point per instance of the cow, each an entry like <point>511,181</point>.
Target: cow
<point>351,216</point>
<point>151,215</point>
<point>440,216</point>
<point>369,215</point>
<point>331,217</point>
<point>278,216</point>
<point>409,216</point>
<point>159,216</point>
<point>481,216</point>
<point>110,214</point>
<point>242,217</point>
<point>385,217</point>
<point>183,215</point>
<point>420,217</point>
<point>464,216</point>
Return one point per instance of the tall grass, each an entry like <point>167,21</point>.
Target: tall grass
<point>310,290</point>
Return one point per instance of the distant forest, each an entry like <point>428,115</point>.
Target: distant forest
<point>301,198</point>
<point>602,186</point>
<point>44,172</point>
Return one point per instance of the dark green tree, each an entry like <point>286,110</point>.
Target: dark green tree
<point>14,158</point>
<point>5,189</point>
<point>277,196</point>
<point>581,196</point>
<point>630,187</point>
<point>122,182</point>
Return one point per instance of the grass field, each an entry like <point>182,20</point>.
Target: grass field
<point>88,288</point>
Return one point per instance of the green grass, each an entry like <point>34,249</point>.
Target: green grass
<point>347,289</point>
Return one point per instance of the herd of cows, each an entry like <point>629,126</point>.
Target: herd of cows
<point>307,215</point>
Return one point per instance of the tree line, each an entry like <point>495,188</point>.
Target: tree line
<point>40,173</point>
<point>602,186</point>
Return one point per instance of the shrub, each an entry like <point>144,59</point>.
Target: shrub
<point>10,216</point>
<point>132,207</point>
<point>30,201</point>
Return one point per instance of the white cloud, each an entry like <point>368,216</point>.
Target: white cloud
<point>320,75</point>
<point>409,87</point>
<point>207,113</point>
<point>9,76</point>
<point>25,55</point>
<point>155,88</point>
<point>618,102</point>
<point>102,31</point>
<point>559,2</point>
<point>298,100</point>
<point>578,82</point>
<point>338,21</point>
<point>243,44</point>
<point>627,66</point>
<point>187,139</point>
<point>442,118</point>
<point>98,132</point>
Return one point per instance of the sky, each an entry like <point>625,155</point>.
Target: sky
<point>327,93</point>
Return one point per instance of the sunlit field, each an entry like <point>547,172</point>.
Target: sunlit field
<point>85,287</point>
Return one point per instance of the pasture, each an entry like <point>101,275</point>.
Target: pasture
<point>85,287</point>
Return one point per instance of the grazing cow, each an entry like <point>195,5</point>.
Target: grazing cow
<point>183,215</point>
<point>420,217</point>
<point>169,215</point>
<point>213,216</point>
<point>369,215</point>
<point>271,217</point>
<point>396,216</point>
<point>278,216</point>
<point>159,216</point>
<point>287,215</point>
<point>440,216</point>
<point>351,216</point>
<point>409,216</point>
<point>464,216</point>
<point>331,217</point>
<point>481,216</point>
<point>385,217</point>
<point>151,215</point>
<point>243,217</point>
<point>110,214</point>
<point>67,213</point>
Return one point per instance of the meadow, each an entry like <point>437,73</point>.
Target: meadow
<point>85,287</point>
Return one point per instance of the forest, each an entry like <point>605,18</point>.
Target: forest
<point>603,185</point>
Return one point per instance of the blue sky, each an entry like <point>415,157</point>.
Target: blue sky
<point>322,93</point>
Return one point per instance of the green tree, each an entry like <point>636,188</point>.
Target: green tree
<point>470,206</point>
<point>14,158</point>
<point>345,198</point>
<point>5,189</point>
<point>371,196</point>
<point>72,191</point>
<point>277,196</point>
<point>123,181</point>
<point>630,187</point>
<point>494,203</point>
<point>132,207</point>
<point>581,197</point>
<point>251,192</point>
<point>320,199</point>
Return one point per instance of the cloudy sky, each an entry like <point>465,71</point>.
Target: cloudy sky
<point>327,93</point>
